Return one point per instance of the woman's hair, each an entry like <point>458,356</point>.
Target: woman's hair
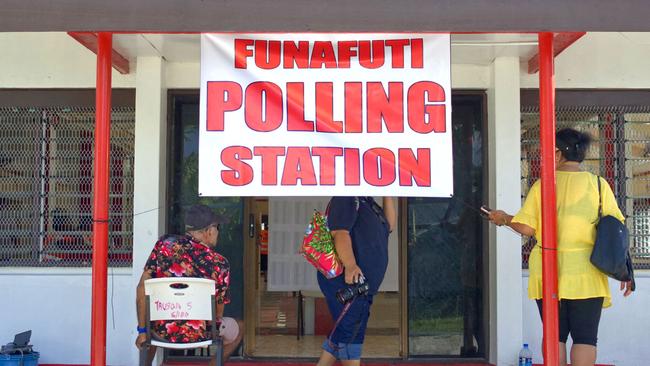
<point>573,144</point>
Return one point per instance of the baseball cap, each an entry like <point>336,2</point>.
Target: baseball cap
<point>228,329</point>
<point>199,217</point>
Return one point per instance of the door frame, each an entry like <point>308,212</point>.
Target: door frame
<point>250,275</point>
<point>403,250</point>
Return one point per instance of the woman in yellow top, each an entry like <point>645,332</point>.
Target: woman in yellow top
<point>583,289</point>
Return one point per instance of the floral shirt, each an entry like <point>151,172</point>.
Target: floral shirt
<point>182,256</point>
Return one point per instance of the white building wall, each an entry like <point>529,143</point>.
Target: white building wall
<point>50,60</point>
<point>466,76</point>
<point>505,248</point>
<point>183,75</point>
<point>149,204</point>
<point>55,304</point>
<point>601,60</point>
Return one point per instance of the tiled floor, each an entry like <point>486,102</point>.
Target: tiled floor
<point>277,328</point>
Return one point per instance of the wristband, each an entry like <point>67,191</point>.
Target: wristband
<point>141,330</point>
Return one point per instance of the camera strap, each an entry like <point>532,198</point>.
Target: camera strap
<point>338,321</point>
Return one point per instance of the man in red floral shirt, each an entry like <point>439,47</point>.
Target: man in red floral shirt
<point>190,255</point>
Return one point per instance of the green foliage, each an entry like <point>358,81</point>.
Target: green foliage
<point>322,239</point>
<point>434,326</point>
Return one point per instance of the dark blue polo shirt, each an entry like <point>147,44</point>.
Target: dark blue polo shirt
<point>369,232</point>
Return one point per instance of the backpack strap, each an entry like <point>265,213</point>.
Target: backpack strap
<point>379,212</point>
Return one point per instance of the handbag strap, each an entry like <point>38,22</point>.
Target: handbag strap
<point>600,200</point>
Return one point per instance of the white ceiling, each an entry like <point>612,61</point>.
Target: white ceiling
<point>477,49</point>
<point>482,49</point>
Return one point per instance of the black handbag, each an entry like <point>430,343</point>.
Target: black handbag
<point>611,254</point>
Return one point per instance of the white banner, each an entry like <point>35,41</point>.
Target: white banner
<point>325,115</point>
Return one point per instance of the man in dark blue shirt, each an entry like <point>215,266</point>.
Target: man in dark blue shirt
<point>360,228</point>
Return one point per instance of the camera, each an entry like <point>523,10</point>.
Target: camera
<point>349,293</point>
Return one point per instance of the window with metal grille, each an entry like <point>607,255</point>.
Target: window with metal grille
<point>46,183</point>
<point>620,153</point>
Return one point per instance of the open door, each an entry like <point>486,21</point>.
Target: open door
<point>287,314</point>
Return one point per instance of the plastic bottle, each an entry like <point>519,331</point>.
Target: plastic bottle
<point>525,356</point>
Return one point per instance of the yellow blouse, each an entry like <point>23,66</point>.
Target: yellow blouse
<point>577,212</point>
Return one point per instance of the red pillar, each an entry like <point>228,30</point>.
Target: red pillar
<point>100,200</point>
<point>550,346</point>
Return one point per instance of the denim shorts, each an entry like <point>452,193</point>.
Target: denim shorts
<point>343,351</point>
<point>346,342</point>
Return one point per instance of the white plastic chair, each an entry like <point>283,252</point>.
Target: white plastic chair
<point>181,298</point>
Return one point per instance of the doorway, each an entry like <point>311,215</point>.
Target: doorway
<point>287,314</point>
<point>435,305</point>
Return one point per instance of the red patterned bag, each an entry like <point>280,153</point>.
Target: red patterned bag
<point>318,247</point>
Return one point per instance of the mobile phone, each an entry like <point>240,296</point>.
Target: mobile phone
<point>485,210</point>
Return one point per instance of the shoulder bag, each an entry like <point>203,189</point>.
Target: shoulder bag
<point>611,254</point>
<point>318,245</point>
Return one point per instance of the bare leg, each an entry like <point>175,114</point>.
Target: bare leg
<point>326,359</point>
<point>151,353</point>
<point>229,348</point>
<point>351,362</point>
<point>583,355</point>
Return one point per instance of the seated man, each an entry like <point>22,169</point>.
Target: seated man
<point>190,255</point>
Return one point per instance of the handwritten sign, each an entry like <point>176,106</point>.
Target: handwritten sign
<point>176,310</point>
<point>167,302</point>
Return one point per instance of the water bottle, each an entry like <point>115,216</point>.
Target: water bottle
<point>525,356</point>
